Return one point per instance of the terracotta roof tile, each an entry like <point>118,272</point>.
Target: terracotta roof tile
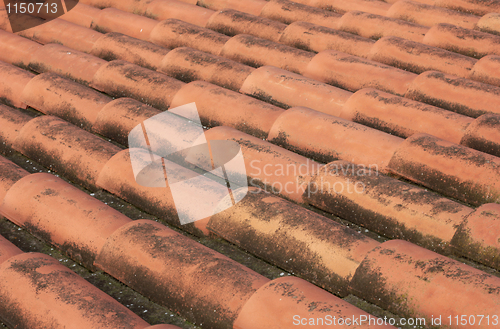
<point>17,50</point>
<point>81,14</point>
<point>483,134</point>
<point>60,31</point>
<point>74,153</point>
<point>187,64</point>
<point>54,95</point>
<point>218,106</point>
<point>287,89</point>
<point>258,154</point>
<point>253,7</point>
<point>257,52</point>
<point>12,121</point>
<point>232,22</point>
<point>175,270</point>
<point>10,174</point>
<point>411,280</point>
<point>487,70</point>
<point>327,138</point>
<point>117,118</point>
<point>468,6</point>
<point>62,215</point>
<point>67,62</point>
<point>318,249</point>
<point>288,12</point>
<point>385,205</point>
<point>403,117</point>
<point>119,46</point>
<point>172,33</point>
<point>7,249</point>
<point>125,5</point>
<point>455,94</point>
<point>12,83</point>
<point>451,169</point>
<point>375,26</point>
<point>339,6</point>
<point>111,20</point>
<point>464,41</point>
<point>316,38</point>
<point>419,58</point>
<point>354,73</point>
<point>164,9</point>
<point>122,79</point>
<point>282,300</point>
<point>477,237</point>
<point>37,290</point>
<point>490,23</point>
<point>428,15</point>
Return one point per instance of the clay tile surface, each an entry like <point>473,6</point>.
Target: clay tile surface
<point>52,94</point>
<point>232,22</point>
<point>258,52</point>
<point>340,6</point>
<point>428,15</point>
<point>288,12</point>
<point>48,294</point>
<point>418,58</point>
<point>71,151</point>
<point>293,243</point>
<point>67,62</point>
<point>114,45</point>
<point>455,94</point>
<point>9,175</point>
<point>11,121</point>
<point>328,138</point>
<point>12,83</point>
<point>403,117</point>
<point>7,249</point>
<point>316,38</point>
<point>283,300</point>
<point>63,215</point>
<point>411,280</point>
<point>118,117</point>
<point>173,33</point>
<point>253,7</point>
<point>483,134</point>
<point>478,235</point>
<point>454,170</point>
<point>468,42</point>
<point>375,26</point>
<point>287,89</point>
<point>354,73</point>
<point>388,206</point>
<point>63,32</point>
<point>188,65</point>
<point>176,269</point>
<point>164,9</point>
<point>487,70</point>
<point>122,79</point>
<point>81,14</point>
<point>258,154</point>
<point>17,50</point>
<point>490,23</point>
<point>218,106</point>
<point>111,20</point>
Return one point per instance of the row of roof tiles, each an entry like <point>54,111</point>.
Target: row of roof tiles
<point>41,131</point>
<point>114,78</point>
<point>228,132</point>
<point>37,291</point>
<point>391,49</point>
<point>111,237</point>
